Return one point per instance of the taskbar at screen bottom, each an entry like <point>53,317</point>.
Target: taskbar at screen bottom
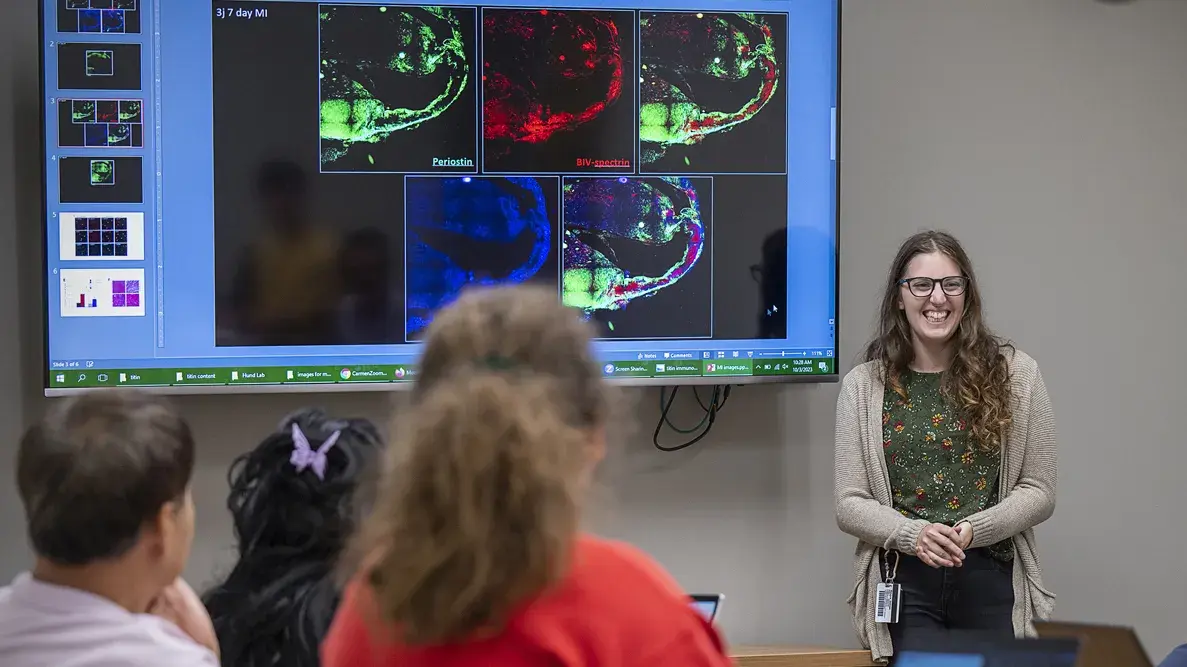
<point>727,370</point>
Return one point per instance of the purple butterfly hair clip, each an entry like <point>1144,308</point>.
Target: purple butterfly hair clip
<point>305,456</point>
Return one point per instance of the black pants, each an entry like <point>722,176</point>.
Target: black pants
<point>974,599</point>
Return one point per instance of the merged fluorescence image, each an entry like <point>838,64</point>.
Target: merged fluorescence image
<point>98,16</point>
<point>712,92</point>
<point>558,91</point>
<point>86,180</point>
<point>98,123</point>
<point>462,231</point>
<point>636,255</point>
<point>98,66</point>
<point>397,89</point>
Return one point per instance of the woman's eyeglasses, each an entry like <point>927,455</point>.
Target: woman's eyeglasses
<point>922,287</point>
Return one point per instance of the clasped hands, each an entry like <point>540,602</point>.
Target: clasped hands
<point>939,545</point>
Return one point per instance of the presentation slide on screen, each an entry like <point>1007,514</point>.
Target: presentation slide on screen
<point>275,192</point>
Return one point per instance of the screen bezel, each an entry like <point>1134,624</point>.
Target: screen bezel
<point>49,391</point>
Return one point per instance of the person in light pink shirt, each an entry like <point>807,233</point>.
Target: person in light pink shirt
<point>104,481</point>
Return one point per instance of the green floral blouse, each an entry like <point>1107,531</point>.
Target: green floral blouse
<point>934,473</point>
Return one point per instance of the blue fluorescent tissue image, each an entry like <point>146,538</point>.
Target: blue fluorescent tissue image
<point>90,20</point>
<point>475,231</point>
<point>113,21</point>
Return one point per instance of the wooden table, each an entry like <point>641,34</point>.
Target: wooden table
<point>800,656</point>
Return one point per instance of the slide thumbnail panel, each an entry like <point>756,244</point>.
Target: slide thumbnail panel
<point>109,180</point>
<point>101,236</point>
<point>462,231</point>
<point>397,89</point>
<point>100,123</point>
<point>558,91</point>
<point>102,292</point>
<point>98,16</point>
<point>713,94</point>
<point>637,256</point>
<point>98,66</point>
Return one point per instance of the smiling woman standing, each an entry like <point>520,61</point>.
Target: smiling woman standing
<point>945,461</point>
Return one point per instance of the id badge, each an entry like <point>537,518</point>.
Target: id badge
<point>890,603</point>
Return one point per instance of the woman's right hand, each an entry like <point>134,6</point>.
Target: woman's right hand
<point>937,546</point>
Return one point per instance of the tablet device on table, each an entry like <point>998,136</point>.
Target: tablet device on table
<point>1100,645</point>
<point>960,649</point>
<point>921,659</point>
<point>708,604</point>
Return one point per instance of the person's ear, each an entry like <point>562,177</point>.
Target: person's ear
<point>152,535</point>
<point>164,526</point>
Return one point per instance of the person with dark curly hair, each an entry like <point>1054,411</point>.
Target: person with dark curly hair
<point>295,500</point>
<point>945,462</point>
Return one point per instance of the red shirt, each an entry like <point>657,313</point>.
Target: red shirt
<point>615,608</point>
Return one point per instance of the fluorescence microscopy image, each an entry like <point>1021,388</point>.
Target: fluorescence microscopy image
<point>462,231</point>
<point>107,111</point>
<point>712,93</point>
<point>102,172</point>
<point>97,123</point>
<point>636,255</point>
<point>84,180</point>
<point>119,134</point>
<point>113,21</point>
<point>100,62</point>
<point>98,16</point>
<point>558,93</point>
<point>83,111</point>
<point>129,111</point>
<point>397,88</point>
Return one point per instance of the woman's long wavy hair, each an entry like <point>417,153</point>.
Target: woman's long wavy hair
<point>978,380</point>
<point>276,605</point>
<point>482,505</point>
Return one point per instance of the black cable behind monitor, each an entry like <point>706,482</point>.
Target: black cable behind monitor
<point>721,394</point>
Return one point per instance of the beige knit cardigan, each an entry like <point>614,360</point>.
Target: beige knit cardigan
<point>865,510</point>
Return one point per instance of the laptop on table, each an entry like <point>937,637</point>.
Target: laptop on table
<point>707,604</point>
<point>975,650</point>
<point>1101,645</point>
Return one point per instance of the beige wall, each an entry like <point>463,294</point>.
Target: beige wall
<point>1051,135</point>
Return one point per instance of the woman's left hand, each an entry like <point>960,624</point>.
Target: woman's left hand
<point>964,531</point>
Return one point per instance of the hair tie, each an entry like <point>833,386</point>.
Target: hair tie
<point>305,456</point>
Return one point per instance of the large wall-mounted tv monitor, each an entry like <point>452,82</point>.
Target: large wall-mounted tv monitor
<point>280,195</point>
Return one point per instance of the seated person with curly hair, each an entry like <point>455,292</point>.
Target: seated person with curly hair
<point>295,500</point>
